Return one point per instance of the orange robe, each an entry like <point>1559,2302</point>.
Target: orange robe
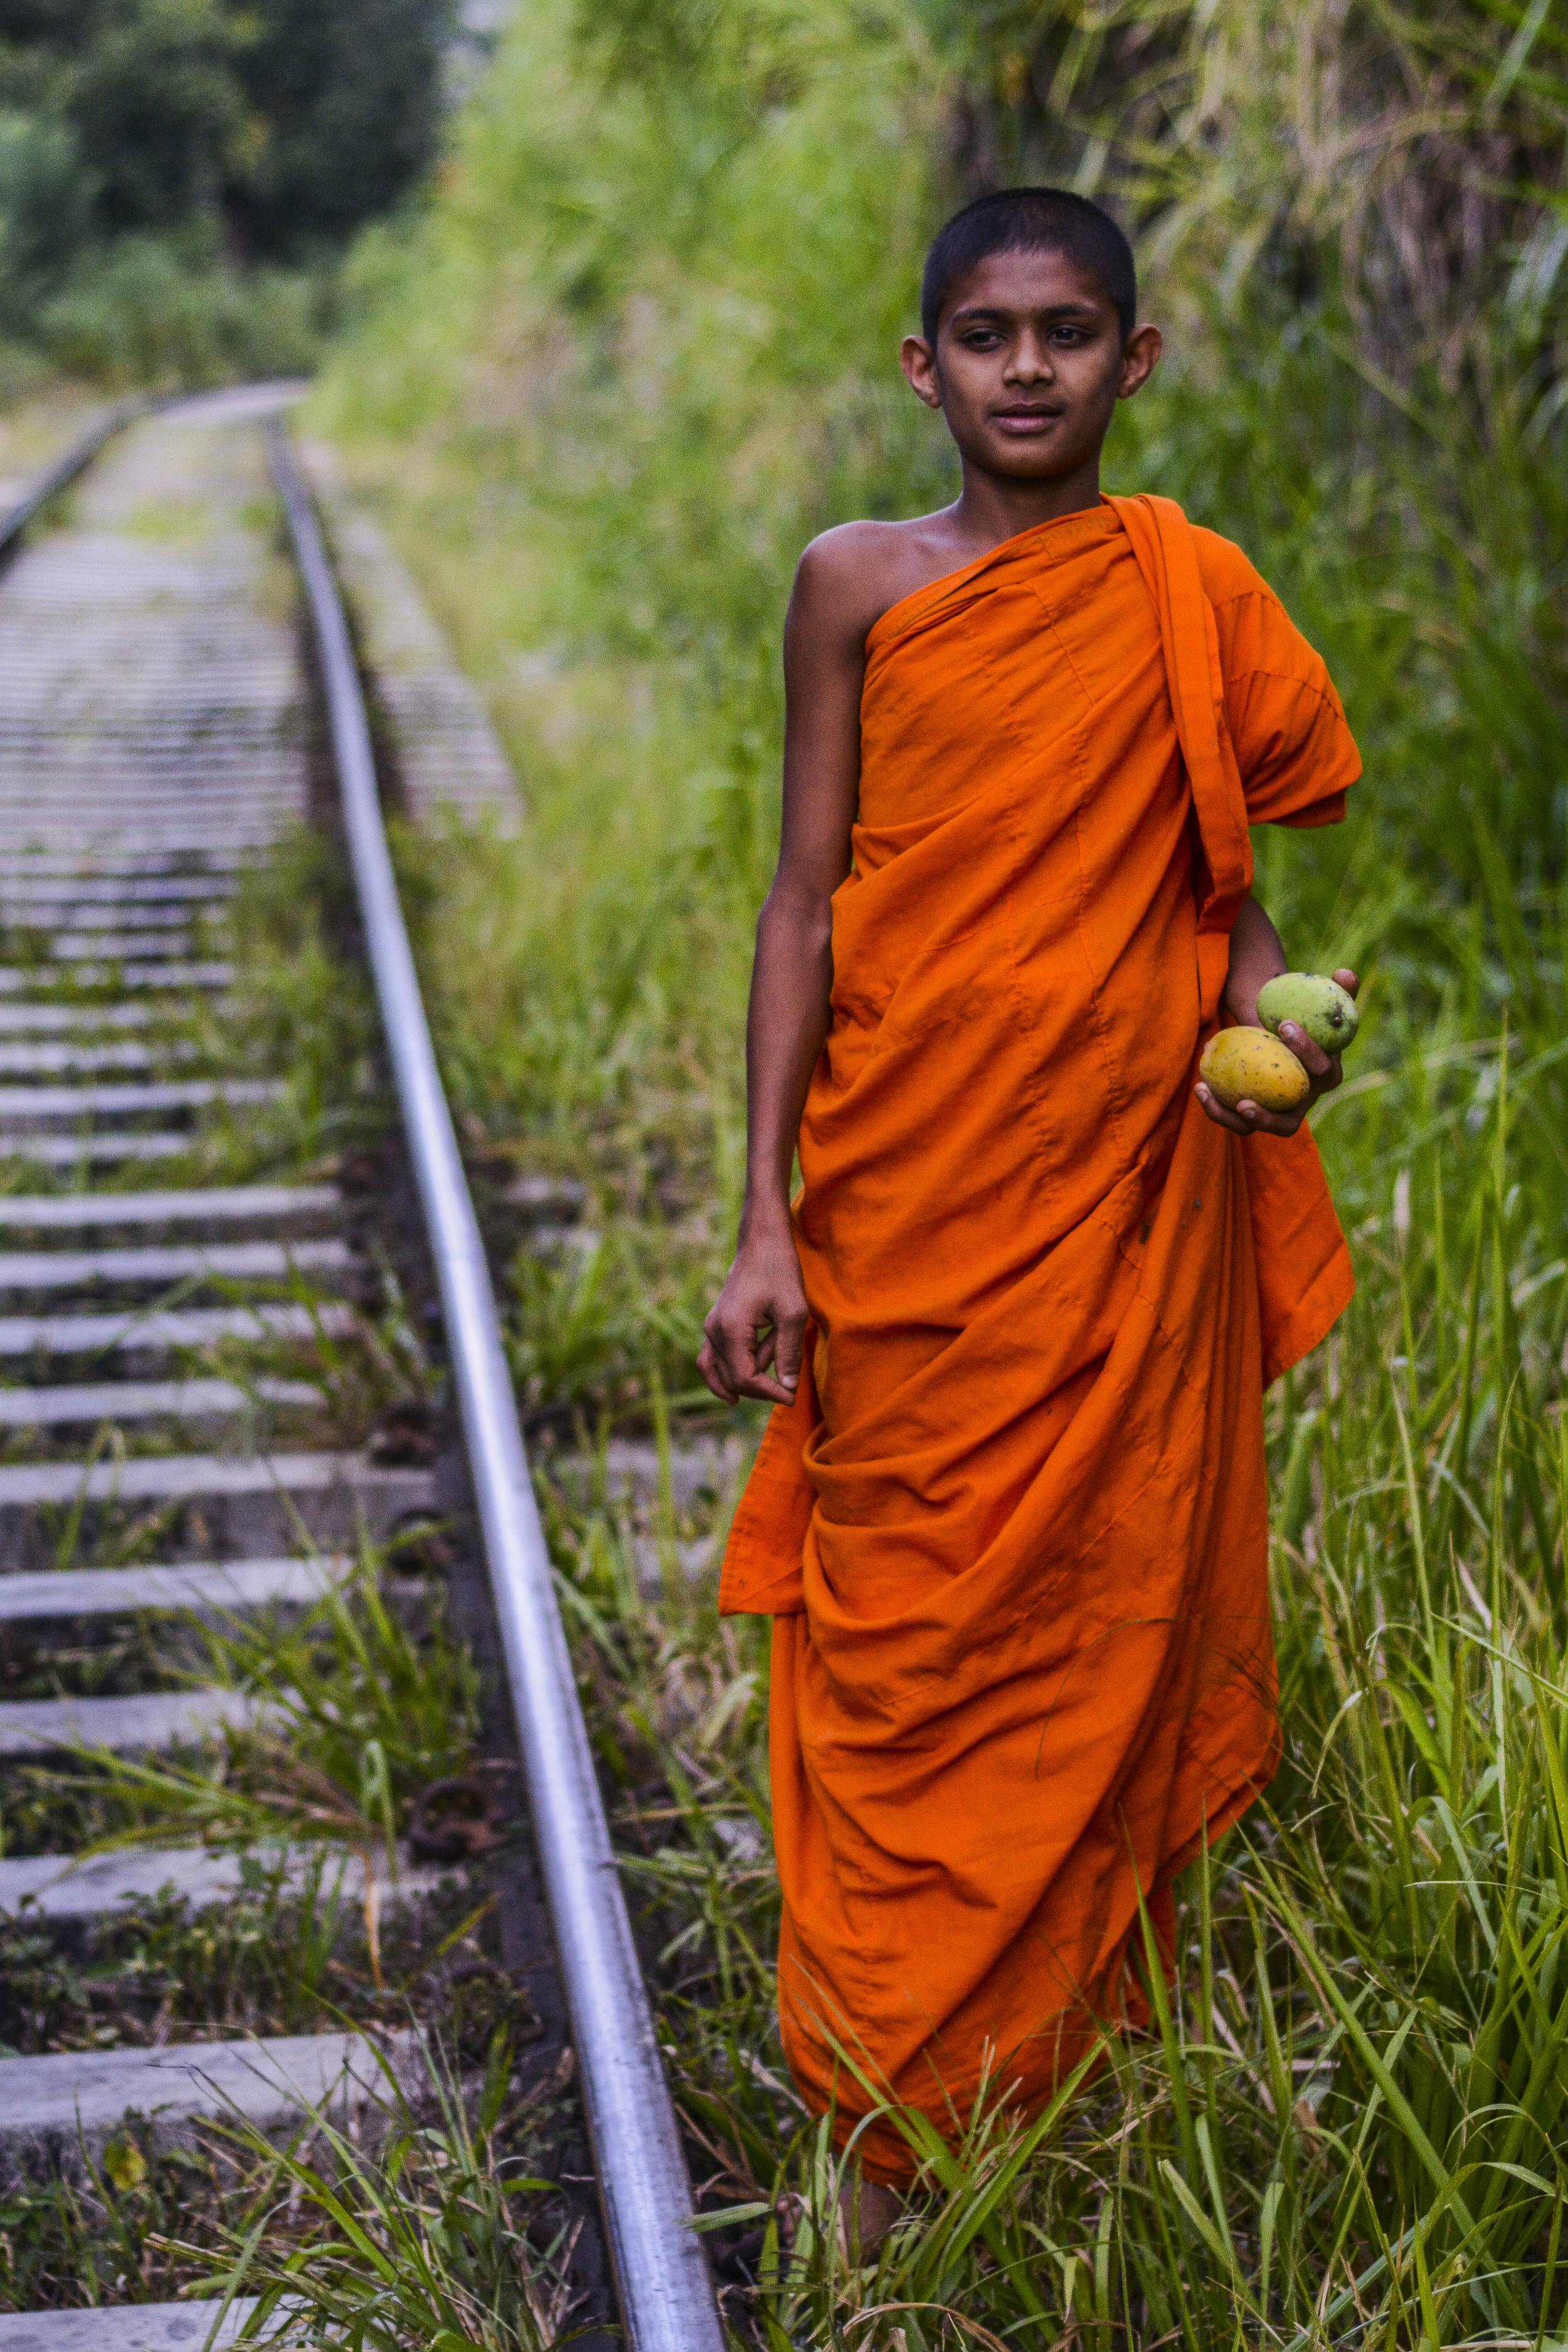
<point>1013,1532</point>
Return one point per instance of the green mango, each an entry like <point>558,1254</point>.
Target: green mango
<point>1319,1004</point>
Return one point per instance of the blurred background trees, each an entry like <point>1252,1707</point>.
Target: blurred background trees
<point>1401,165</point>
<point>1405,162</point>
<point>185,173</point>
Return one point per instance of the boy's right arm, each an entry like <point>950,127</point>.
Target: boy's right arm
<point>753,1336</point>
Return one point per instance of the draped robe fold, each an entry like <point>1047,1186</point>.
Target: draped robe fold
<point>1013,1531</point>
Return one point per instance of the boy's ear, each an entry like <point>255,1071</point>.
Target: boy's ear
<point>918,361</point>
<point>1140,357</point>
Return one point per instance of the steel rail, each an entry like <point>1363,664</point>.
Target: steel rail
<point>14,519</point>
<point>64,471</point>
<point>661,2275</point>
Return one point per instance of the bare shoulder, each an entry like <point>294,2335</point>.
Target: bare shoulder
<point>849,576</point>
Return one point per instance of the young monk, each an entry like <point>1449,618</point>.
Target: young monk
<point>1009,1513</point>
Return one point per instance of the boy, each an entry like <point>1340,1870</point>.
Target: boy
<point>1009,1514</point>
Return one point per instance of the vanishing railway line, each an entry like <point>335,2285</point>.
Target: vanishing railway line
<point>169,1278</point>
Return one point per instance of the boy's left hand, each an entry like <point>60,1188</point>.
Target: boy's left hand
<point>1323,1069</point>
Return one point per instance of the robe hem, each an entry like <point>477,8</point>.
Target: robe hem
<point>1241,1794</point>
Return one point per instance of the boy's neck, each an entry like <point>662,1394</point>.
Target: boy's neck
<point>991,508</point>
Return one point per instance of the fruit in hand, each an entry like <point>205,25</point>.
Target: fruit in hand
<point>1250,1066</point>
<point>1319,1004</point>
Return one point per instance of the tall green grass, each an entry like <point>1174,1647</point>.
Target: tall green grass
<point>1346,2125</point>
<point>637,353</point>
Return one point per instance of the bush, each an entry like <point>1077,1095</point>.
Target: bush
<point>260,137</point>
<point>145,313</point>
<point>44,213</point>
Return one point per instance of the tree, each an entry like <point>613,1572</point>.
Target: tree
<point>348,102</point>
<point>286,122</point>
<point>157,107</point>
<point>45,204</point>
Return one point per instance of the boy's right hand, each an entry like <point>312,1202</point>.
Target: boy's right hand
<point>754,1331</point>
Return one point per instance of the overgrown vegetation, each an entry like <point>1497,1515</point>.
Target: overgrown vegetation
<point>437,2189</point>
<point>293,1952</point>
<point>359,1703</point>
<point>446,2234</point>
<point>638,353</point>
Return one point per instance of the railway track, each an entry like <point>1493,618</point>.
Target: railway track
<point>179,1296</point>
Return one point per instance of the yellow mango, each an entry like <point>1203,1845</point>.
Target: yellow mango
<point>1250,1066</point>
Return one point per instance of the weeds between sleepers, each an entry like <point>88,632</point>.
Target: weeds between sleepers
<point>376,1712</point>
<point>290,1953</point>
<point>370,1699</point>
<point>151,2221</point>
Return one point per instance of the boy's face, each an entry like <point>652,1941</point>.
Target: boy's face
<point>1029,366</point>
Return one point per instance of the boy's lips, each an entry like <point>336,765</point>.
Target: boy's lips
<point>1024,420</point>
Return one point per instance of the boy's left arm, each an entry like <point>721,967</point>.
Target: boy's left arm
<point>1255,955</point>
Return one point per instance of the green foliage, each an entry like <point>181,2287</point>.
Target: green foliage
<point>446,2236</point>
<point>300,122</point>
<point>635,355</point>
<point>148,310</point>
<point>153,100</point>
<point>344,116</point>
<point>176,176</point>
<point>438,2188</point>
<point>43,210</point>
<point>1402,164</point>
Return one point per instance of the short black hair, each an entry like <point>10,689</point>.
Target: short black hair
<point>1030,220</point>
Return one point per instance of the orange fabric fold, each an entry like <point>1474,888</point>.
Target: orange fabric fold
<point>1013,1531</point>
